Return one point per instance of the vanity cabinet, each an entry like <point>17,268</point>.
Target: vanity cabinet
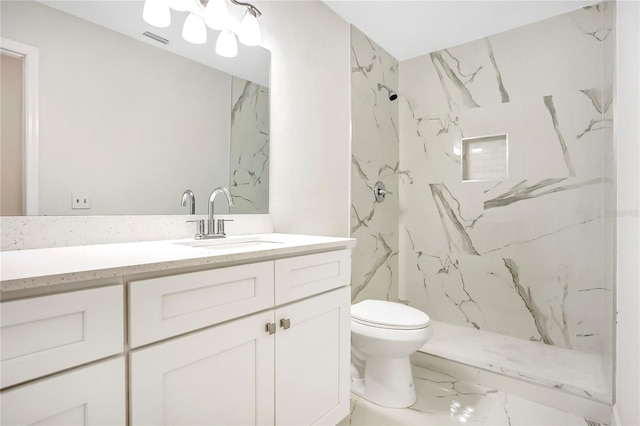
<point>262,342</point>
<point>288,364</point>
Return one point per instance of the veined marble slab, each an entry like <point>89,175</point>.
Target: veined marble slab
<point>575,372</point>
<point>249,156</point>
<point>374,158</point>
<point>528,256</point>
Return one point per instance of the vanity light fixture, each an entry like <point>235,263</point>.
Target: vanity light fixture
<point>208,13</point>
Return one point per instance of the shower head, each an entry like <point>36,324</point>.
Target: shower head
<point>392,95</point>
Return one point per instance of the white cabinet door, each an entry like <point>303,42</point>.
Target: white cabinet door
<point>313,360</point>
<point>219,376</point>
<point>93,395</point>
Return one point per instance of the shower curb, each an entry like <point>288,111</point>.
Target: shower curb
<point>552,396</point>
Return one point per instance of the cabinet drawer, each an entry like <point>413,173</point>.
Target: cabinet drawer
<point>92,395</point>
<point>167,306</point>
<point>51,333</point>
<point>304,276</point>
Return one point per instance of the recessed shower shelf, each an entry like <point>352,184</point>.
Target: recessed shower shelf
<point>484,158</point>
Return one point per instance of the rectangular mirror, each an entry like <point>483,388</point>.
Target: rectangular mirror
<point>128,123</point>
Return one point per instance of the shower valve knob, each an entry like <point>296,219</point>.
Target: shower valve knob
<point>379,191</point>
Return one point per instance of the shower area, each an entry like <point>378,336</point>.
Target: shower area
<point>498,154</point>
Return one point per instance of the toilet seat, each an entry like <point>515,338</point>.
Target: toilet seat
<point>390,315</point>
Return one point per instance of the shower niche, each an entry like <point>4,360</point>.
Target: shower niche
<point>485,158</point>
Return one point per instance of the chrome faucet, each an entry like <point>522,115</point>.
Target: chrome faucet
<point>187,196</point>
<point>215,227</point>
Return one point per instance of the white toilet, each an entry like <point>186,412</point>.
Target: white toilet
<point>383,336</point>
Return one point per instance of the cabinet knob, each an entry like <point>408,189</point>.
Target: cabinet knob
<point>270,327</point>
<point>285,323</point>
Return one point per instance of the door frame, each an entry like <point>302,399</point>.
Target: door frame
<point>30,56</point>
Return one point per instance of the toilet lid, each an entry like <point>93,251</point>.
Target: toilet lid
<point>380,313</point>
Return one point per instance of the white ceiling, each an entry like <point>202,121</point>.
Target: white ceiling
<point>407,29</point>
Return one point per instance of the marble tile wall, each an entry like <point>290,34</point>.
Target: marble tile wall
<point>528,256</point>
<point>249,152</point>
<point>374,157</point>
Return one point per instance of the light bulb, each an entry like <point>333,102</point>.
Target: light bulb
<point>249,32</point>
<point>194,30</point>
<point>156,13</point>
<point>226,45</point>
<point>216,15</point>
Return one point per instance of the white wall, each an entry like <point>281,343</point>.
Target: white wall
<point>310,154</point>
<point>627,130</point>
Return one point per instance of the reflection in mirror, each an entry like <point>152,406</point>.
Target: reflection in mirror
<point>249,167</point>
<point>128,125</point>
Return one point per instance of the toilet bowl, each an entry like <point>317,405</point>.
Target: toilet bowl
<point>383,336</point>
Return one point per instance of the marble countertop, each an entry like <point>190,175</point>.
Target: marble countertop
<point>39,268</point>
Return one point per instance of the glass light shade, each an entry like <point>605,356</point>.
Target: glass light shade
<point>249,33</point>
<point>194,30</point>
<point>156,13</point>
<point>216,15</point>
<point>226,45</point>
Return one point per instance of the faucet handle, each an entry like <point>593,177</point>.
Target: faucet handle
<point>199,227</point>
<point>220,225</point>
<point>187,196</point>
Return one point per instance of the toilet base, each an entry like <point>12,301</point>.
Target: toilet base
<point>387,382</point>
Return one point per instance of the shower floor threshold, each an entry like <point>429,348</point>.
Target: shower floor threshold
<point>572,372</point>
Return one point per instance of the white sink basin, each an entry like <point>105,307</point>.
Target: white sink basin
<point>231,244</point>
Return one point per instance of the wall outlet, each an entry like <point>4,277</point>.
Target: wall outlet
<point>80,200</point>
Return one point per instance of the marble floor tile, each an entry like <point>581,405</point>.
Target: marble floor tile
<point>444,400</point>
<point>512,410</point>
